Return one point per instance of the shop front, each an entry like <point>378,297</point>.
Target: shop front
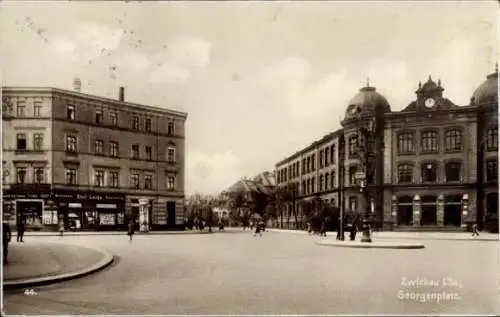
<point>30,204</point>
<point>91,210</point>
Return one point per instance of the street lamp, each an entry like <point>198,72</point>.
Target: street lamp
<point>366,134</point>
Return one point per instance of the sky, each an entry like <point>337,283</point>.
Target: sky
<point>259,80</point>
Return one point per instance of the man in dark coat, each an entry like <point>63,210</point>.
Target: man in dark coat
<point>7,234</point>
<point>21,227</point>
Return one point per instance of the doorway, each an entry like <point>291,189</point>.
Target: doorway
<point>453,210</point>
<point>171,214</point>
<point>405,211</point>
<point>429,210</point>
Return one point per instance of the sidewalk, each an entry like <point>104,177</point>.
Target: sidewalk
<point>35,263</point>
<point>483,236</point>
<point>108,233</point>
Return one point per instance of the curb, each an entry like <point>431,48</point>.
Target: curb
<point>372,245</point>
<point>39,281</point>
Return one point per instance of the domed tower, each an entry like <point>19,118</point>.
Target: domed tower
<point>485,99</point>
<point>363,146</point>
<point>430,97</point>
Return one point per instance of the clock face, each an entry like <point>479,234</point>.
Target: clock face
<point>429,102</point>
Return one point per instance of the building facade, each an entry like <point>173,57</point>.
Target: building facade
<point>433,164</point>
<point>88,160</point>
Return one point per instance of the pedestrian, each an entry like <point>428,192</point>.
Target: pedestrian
<point>353,232</point>
<point>130,230</point>
<point>474,230</point>
<point>21,227</point>
<point>257,231</point>
<point>7,234</point>
<point>322,231</point>
<point>61,228</point>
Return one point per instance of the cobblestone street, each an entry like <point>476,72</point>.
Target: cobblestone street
<point>278,273</point>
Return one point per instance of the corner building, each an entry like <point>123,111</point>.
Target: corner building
<point>89,160</point>
<point>434,163</point>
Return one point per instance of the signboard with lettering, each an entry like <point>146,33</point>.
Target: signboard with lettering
<point>88,196</point>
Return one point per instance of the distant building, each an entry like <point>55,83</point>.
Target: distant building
<point>436,163</point>
<point>89,160</point>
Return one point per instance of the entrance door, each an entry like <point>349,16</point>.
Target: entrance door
<point>453,211</point>
<point>429,210</point>
<point>171,214</point>
<point>31,212</point>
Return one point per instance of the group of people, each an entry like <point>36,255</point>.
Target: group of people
<point>259,227</point>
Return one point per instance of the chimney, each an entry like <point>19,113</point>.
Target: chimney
<point>77,84</point>
<point>122,94</point>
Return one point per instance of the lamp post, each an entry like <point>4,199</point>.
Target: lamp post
<point>366,134</point>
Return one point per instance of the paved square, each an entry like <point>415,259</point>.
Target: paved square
<point>278,273</point>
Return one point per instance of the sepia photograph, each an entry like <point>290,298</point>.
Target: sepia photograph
<point>241,158</point>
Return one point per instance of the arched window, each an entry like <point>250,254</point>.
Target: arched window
<point>313,184</point>
<point>492,139</point>
<point>453,171</point>
<point>332,180</point>
<point>321,183</point>
<point>327,181</point>
<point>308,168</point>
<point>405,173</point>
<point>453,140</point>
<point>332,154</point>
<point>429,172</point>
<point>320,158</point>
<point>313,162</point>
<point>327,155</point>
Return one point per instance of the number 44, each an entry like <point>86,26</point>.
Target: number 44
<point>30,292</point>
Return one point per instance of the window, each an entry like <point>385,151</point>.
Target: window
<point>71,176</point>
<point>21,107</point>
<point>39,175</point>
<point>327,181</point>
<point>134,180</point>
<point>313,162</point>
<point>353,203</point>
<point>405,173</point>
<point>321,183</point>
<point>453,140</point>
<point>308,186</point>
<point>304,187</point>
<point>171,182</point>
<point>113,149</point>
<point>313,184</point>
<point>38,142</point>
<point>429,172</point>
<point>171,128</point>
<point>98,116</point>
<point>352,175</point>
<point>453,171</point>
<point>171,155</point>
<point>21,142</point>
<point>37,109</point>
<point>327,155</point>
<point>135,122</point>
<point>429,141</point>
<point>98,147</point>
<point>135,151</point>
<point>492,138</point>
<point>353,146</point>
<point>147,125</point>
<point>114,179</point>
<point>148,181</point>
<point>149,153</point>
<point>114,118</point>
<point>332,180</point>
<point>321,159</point>
<point>491,170</point>
<point>70,112</point>
<point>71,142</point>
<point>304,163</point>
<point>21,175</point>
<point>406,143</point>
<point>308,167</point>
<point>99,178</point>
<point>332,154</point>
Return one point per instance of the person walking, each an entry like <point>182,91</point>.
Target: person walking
<point>7,234</point>
<point>21,227</point>
<point>61,228</point>
<point>257,231</point>
<point>130,230</point>
<point>474,229</point>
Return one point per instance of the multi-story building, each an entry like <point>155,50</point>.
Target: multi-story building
<point>435,163</point>
<point>90,160</point>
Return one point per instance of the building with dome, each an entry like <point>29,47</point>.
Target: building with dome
<point>431,166</point>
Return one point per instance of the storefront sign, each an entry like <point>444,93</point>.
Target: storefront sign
<point>88,196</point>
<point>20,195</point>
